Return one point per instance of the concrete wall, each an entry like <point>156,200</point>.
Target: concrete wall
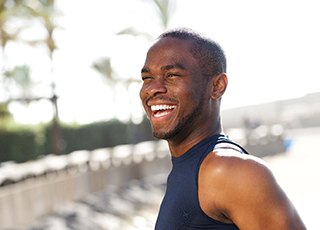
<point>21,203</point>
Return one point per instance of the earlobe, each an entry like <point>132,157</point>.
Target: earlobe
<point>219,85</point>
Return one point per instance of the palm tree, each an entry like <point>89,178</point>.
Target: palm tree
<point>6,11</point>
<point>42,10</point>
<point>9,10</point>
<point>165,9</point>
<point>45,11</point>
<point>103,66</point>
<point>20,77</point>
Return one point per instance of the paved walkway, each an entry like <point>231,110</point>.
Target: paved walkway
<point>298,173</point>
<point>132,207</point>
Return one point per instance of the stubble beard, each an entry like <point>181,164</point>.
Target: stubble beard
<point>182,128</point>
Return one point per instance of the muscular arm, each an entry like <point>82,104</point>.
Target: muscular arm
<point>241,189</point>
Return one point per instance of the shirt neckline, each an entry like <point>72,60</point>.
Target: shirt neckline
<point>189,153</point>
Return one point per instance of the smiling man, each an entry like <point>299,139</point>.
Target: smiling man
<point>214,183</point>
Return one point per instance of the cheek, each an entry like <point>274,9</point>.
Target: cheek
<point>142,93</point>
<point>194,91</point>
<point>187,98</point>
<point>194,96</point>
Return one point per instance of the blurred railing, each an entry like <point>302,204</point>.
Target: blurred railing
<point>35,188</point>
<point>32,189</point>
<point>262,140</point>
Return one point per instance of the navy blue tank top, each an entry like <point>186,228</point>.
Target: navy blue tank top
<point>180,208</point>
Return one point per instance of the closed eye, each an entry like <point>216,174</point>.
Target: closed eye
<point>144,78</point>
<point>168,75</point>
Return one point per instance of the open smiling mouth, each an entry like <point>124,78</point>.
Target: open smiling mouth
<point>161,110</point>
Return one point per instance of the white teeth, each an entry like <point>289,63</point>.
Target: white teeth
<point>161,114</point>
<point>162,107</point>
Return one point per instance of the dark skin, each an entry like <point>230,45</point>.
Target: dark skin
<point>172,80</point>
<point>183,105</point>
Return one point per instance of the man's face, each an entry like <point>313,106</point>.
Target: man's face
<point>174,93</point>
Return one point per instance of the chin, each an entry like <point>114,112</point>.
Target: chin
<point>165,135</point>
<point>160,135</point>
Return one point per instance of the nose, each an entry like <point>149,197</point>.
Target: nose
<point>154,87</point>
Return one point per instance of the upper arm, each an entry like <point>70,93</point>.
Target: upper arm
<point>246,192</point>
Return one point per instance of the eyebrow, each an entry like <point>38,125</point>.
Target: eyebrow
<point>166,67</point>
<point>174,66</point>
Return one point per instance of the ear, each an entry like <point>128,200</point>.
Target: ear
<point>219,85</point>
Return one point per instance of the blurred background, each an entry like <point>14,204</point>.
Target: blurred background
<point>74,142</point>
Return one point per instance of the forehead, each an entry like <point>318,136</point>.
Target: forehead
<point>171,50</point>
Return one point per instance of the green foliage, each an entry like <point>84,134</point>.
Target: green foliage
<point>103,134</point>
<point>5,114</point>
<point>96,135</point>
<point>19,145</point>
<point>22,143</point>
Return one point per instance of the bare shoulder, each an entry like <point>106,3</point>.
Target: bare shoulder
<point>236,167</point>
<point>232,172</point>
<point>243,189</point>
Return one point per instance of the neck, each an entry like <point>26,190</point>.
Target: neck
<point>182,143</point>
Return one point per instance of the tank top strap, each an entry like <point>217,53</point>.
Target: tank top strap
<point>217,140</point>
<point>224,139</point>
<point>212,141</point>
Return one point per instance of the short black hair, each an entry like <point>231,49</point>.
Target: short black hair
<point>209,53</point>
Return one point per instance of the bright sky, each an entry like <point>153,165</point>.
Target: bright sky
<point>272,48</point>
